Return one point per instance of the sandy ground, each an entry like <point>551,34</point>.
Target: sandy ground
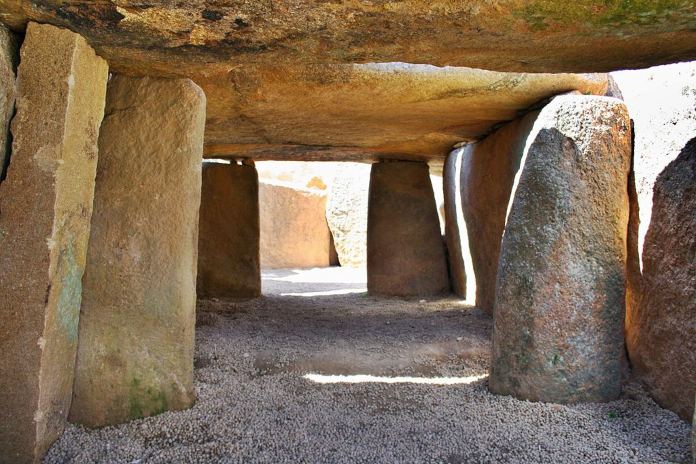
<point>318,372</point>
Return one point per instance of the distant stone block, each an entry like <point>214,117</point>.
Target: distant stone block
<point>405,250</point>
<point>228,241</point>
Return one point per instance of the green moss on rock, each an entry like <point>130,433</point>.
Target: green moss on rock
<point>145,400</point>
<point>543,14</point>
<point>70,296</point>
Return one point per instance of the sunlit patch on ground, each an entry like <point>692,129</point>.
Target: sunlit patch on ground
<point>315,281</point>
<point>363,378</point>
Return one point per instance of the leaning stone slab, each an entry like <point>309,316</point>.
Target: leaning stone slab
<point>405,250</point>
<point>455,233</point>
<point>45,210</point>
<point>558,318</point>
<point>135,356</point>
<point>8,63</point>
<point>228,240</point>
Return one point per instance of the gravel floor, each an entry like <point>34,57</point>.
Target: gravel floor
<point>256,405</point>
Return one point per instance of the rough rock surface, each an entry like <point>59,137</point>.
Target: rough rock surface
<point>8,64</point>
<point>228,238</point>
<point>662,104</point>
<point>294,230</point>
<point>135,355</point>
<point>487,175</point>
<point>663,325</point>
<point>405,251</point>
<point>558,330</point>
<point>291,108</point>
<point>365,111</point>
<point>534,35</point>
<point>45,210</point>
<point>346,213</point>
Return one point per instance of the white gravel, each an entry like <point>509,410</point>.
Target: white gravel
<point>254,405</point>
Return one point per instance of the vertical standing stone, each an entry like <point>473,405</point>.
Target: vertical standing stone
<point>405,251</point>
<point>478,184</point>
<point>558,319</point>
<point>45,210</point>
<point>661,279</point>
<point>135,356</point>
<point>488,172</point>
<point>663,330</point>
<point>228,240</point>
<point>8,61</point>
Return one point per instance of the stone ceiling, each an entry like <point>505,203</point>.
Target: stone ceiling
<point>327,112</point>
<point>296,79</point>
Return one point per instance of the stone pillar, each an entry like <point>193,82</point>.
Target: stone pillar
<point>45,210</point>
<point>8,63</point>
<point>663,325</point>
<point>135,356</point>
<point>228,241</point>
<point>478,182</point>
<point>558,318</point>
<point>405,251</point>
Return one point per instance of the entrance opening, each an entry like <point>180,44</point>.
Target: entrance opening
<point>313,227</point>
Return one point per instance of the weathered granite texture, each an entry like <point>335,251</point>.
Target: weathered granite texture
<point>135,355</point>
<point>659,296</point>
<point>512,35</point>
<point>45,210</point>
<point>559,308</point>
<point>9,47</point>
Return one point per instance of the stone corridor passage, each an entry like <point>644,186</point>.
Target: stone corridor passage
<point>527,231</point>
